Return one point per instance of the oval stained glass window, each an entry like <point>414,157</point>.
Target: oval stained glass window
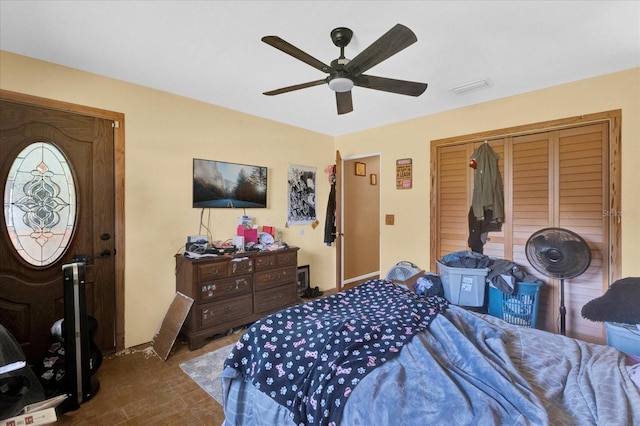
<point>40,204</point>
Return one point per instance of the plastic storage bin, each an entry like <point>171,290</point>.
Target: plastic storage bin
<point>519,308</point>
<point>463,286</point>
<point>624,337</point>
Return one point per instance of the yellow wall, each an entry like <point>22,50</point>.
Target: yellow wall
<point>165,132</point>
<point>408,239</point>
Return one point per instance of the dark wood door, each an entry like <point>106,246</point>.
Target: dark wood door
<point>31,297</point>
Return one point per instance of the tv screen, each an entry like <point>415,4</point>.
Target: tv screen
<point>218,184</point>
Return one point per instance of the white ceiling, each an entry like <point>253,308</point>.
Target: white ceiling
<point>211,50</point>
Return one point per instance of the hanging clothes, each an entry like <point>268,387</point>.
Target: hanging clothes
<point>330,217</point>
<point>487,207</point>
<point>479,229</point>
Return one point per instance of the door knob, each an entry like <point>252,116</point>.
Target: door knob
<point>105,253</point>
<point>105,237</point>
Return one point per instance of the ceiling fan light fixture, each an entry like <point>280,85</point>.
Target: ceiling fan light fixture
<point>340,84</point>
<point>345,73</point>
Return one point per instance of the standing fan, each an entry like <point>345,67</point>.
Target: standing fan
<point>558,253</point>
<point>402,271</point>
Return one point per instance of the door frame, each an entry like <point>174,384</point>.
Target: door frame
<point>118,119</point>
<point>340,213</point>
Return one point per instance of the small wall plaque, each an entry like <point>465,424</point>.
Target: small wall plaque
<point>403,173</point>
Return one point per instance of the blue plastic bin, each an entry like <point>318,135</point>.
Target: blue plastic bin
<point>519,308</point>
<point>624,337</point>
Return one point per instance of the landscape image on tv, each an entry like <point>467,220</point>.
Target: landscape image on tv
<point>218,184</point>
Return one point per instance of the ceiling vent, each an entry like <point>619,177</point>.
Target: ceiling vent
<point>470,87</point>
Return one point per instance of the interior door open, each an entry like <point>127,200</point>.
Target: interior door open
<point>360,220</point>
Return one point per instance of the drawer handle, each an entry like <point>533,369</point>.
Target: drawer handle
<point>246,266</point>
<point>278,296</point>
<point>208,289</point>
<point>227,310</point>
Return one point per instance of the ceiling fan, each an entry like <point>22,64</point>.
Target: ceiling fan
<point>345,73</point>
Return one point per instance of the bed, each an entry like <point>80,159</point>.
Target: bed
<point>379,354</point>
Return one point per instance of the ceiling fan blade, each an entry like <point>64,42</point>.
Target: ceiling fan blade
<point>290,49</point>
<point>392,42</point>
<point>344,102</point>
<point>295,87</point>
<point>401,87</point>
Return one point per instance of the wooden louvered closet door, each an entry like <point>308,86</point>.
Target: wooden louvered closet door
<point>452,198</point>
<point>582,198</point>
<point>553,178</point>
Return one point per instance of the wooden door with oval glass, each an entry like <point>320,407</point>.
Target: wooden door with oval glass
<point>57,171</point>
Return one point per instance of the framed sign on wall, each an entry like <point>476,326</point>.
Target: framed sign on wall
<point>403,173</point>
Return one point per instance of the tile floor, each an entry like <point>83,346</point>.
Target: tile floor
<point>139,388</point>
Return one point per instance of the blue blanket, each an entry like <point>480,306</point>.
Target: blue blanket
<point>310,357</point>
<point>467,369</point>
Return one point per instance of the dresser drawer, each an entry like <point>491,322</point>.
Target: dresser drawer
<point>225,288</point>
<point>212,271</point>
<point>275,298</point>
<point>266,262</point>
<point>241,266</point>
<point>214,314</point>
<point>274,277</point>
<point>234,290</point>
<point>287,259</point>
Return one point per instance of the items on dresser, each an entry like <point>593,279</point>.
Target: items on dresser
<point>233,290</point>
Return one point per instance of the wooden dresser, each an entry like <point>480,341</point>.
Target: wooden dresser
<point>233,290</point>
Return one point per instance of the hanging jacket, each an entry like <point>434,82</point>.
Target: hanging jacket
<point>487,185</point>
<point>330,219</point>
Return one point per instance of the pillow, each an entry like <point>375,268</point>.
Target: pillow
<point>618,304</point>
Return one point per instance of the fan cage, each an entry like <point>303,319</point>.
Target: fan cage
<point>402,271</point>
<point>558,253</point>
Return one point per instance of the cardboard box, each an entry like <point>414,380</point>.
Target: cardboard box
<point>42,417</point>
<point>410,282</point>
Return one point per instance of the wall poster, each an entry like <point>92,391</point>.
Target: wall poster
<point>301,208</point>
<point>403,173</point>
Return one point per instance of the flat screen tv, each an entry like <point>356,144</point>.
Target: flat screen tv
<point>218,184</point>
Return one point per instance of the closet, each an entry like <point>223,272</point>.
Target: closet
<point>563,174</point>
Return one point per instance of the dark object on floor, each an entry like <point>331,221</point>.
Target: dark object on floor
<point>18,387</point>
<point>312,292</point>
<point>618,304</point>
<point>51,370</point>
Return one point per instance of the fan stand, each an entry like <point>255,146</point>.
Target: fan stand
<point>563,310</point>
